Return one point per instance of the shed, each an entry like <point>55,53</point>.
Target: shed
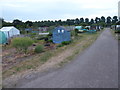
<point>87,27</point>
<point>98,27</point>
<point>10,31</point>
<point>79,27</point>
<point>93,27</point>
<point>60,34</point>
<point>70,28</point>
<point>28,30</point>
<point>3,38</point>
<point>117,27</point>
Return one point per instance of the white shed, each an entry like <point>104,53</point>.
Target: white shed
<point>10,31</point>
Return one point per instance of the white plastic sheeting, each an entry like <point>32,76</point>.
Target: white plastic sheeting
<point>43,33</point>
<point>10,31</point>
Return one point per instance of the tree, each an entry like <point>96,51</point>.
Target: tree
<point>29,23</point>
<point>96,20</point>
<point>103,24</point>
<point>18,24</point>
<point>103,19</point>
<point>87,20</point>
<point>114,20</point>
<point>77,21</point>
<point>84,24</point>
<point>70,22</point>
<point>60,22</point>
<point>1,22</point>
<point>108,21</point>
<point>92,21</point>
<point>76,32</point>
<point>81,20</point>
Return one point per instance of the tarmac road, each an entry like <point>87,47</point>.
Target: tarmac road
<point>96,67</point>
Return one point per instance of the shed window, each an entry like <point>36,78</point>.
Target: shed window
<point>62,31</point>
<point>58,31</point>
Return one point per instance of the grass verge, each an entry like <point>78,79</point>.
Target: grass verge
<point>116,35</point>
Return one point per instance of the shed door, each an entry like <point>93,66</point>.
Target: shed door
<point>57,38</point>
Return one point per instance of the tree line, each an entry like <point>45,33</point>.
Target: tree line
<point>47,23</point>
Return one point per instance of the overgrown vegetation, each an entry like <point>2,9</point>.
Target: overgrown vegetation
<point>117,31</point>
<point>66,42</point>
<point>39,49</point>
<point>115,34</point>
<point>22,43</point>
<point>46,56</point>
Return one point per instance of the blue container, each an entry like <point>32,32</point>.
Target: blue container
<point>3,38</point>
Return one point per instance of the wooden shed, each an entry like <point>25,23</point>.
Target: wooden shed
<point>60,34</point>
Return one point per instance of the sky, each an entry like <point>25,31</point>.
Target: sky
<point>38,10</point>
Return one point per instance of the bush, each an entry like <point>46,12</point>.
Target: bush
<point>39,49</point>
<point>22,32</point>
<point>50,40</point>
<point>66,42</point>
<point>72,33</point>
<point>60,45</point>
<point>117,31</point>
<point>36,41</point>
<point>32,35</point>
<point>22,43</point>
<point>50,34</point>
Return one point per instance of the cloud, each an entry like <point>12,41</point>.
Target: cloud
<point>57,9</point>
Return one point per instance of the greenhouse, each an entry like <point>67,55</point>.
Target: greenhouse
<point>3,38</point>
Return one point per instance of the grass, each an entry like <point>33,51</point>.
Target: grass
<point>116,35</point>
<point>78,45</point>
<point>46,56</point>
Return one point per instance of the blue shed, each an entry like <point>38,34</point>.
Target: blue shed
<point>60,34</point>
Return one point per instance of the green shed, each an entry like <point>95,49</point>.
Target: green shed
<point>3,38</point>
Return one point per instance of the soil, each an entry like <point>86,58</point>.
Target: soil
<point>10,57</point>
<point>50,64</point>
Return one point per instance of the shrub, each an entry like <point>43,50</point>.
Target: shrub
<point>50,40</point>
<point>32,35</point>
<point>72,33</point>
<point>60,45</point>
<point>50,34</point>
<point>36,41</point>
<point>39,49</point>
<point>22,43</point>
<point>66,42</point>
<point>22,32</point>
<point>117,31</point>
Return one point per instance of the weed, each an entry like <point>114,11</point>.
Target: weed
<point>39,49</point>
<point>46,56</point>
